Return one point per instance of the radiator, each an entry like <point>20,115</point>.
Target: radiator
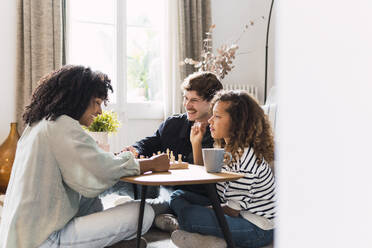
<point>250,89</point>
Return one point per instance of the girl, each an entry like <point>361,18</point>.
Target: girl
<point>59,171</point>
<point>239,125</point>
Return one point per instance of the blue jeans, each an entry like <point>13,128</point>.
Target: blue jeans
<point>194,216</point>
<point>93,227</point>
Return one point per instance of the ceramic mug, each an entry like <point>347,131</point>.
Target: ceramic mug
<point>213,158</point>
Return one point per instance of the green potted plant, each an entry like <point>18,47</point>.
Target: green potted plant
<point>102,126</point>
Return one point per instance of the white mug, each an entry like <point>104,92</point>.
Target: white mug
<point>213,158</point>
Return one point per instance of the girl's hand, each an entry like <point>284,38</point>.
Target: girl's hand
<point>197,132</point>
<point>228,211</point>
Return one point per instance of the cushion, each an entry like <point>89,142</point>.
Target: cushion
<point>271,111</point>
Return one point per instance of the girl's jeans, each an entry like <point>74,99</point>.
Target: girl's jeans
<point>194,216</point>
<point>93,227</point>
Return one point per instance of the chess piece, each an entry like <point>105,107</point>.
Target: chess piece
<point>179,164</point>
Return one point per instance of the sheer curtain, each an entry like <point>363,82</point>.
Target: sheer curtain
<point>39,46</point>
<point>188,22</point>
<point>171,71</point>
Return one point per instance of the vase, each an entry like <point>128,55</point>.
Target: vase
<point>7,154</point>
<point>102,139</point>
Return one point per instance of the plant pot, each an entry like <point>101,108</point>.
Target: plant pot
<point>7,154</point>
<point>102,139</point>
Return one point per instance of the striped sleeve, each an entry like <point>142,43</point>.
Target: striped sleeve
<point>255,192</point>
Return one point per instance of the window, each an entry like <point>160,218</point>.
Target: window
<point>123,39</point>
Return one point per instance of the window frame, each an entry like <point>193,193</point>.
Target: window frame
<point>151,110</point>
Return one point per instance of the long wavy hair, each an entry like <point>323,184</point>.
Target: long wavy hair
<point>249,126</point>
<point>67,91</point>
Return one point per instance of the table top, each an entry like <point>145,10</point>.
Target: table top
<point>195,174</point>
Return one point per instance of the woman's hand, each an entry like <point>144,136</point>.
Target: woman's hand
<point>160,162</point>
<point>197,132</point>
<point>157,163</point>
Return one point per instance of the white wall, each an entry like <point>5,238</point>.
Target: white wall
<point>324,76</point>
<point>230,18</point>
<point>7,65</point>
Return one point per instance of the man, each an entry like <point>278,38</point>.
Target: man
<point>174,133</point>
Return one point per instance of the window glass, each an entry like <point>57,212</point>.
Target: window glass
<point>93,39</point>
<point>144,74</point>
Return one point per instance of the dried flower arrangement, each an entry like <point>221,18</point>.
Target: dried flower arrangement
<point>221,63</point>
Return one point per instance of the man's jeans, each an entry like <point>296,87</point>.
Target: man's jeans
<point>93,227</point>
<point>194,216</point>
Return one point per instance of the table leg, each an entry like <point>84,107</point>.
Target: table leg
<point>135,191</point>
<point>140,216</point>
<point>211,189</point>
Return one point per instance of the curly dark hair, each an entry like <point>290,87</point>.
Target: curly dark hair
<point>249,126</point>
<point>67,91</point>
<point>206,84</point>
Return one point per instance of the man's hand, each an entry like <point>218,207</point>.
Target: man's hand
<point>197,132</point>
<point>129,149</point>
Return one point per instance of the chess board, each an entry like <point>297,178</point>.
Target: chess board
<point>178,165</point>
<point>173,164</point>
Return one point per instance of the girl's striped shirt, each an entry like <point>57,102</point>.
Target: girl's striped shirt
<point>254,194</point>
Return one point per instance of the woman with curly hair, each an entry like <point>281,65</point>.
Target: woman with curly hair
<point>59,171</point>
<point>238,125</point>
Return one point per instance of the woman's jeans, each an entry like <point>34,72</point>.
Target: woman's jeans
<point>194,216</point>
<point>93,227</point>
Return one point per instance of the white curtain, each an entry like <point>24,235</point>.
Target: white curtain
<point>188,20</point>
<point>171,71</point>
